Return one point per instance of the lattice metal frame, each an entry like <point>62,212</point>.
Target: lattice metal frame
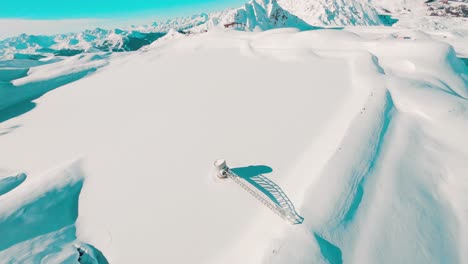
<point>280,205</point>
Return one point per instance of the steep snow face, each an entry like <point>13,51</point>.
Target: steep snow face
<point>333,13</point>
<point>38,216</point>
<point>255,15</point>
<point>267,14</point>
<point>399,6</point>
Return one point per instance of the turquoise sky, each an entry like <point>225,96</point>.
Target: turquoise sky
<point>72,9</point>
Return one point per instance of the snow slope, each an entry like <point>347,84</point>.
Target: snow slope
<point>333,13</point>
<point>426,15</point>
<point>399,6</point>
<point>37,218</point>
<point>362,129</point>
<point>256,15</point>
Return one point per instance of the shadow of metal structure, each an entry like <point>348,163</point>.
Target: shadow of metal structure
<point>262,188</point>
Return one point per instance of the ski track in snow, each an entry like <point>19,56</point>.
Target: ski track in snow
<point>374,160</point>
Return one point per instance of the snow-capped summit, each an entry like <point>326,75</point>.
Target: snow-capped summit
<point>269,14</point>
<point>334,12</point>
<point>255,15</point>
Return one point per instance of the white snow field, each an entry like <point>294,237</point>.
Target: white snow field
<point>108,158</point>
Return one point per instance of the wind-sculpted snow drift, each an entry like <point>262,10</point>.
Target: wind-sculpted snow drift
<point>37,218</point>
<point>25,57</point>
<point>363,130</point>
<point>363,127</point>
<point>26,80</point>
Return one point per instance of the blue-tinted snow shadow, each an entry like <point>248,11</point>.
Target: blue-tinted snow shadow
<point>8,74</point>
<point>388,20</point>
<point>248,173</point>
<point>24,63</point>
<point>51,211</point>
<point>90,254</point>
<point>9,183</point>
<point>465,60</point>
<point>251,171</point>
<point>254,176</point>
<point>329,251</point>
<point>15,110</point>
<point>17,100</point>
<point>323,28</point>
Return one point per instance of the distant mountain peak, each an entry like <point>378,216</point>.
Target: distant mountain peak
<point>253,15</point>
<point>333,12</point>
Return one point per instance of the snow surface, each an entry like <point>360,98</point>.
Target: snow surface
<point>334,13</point>
<point>108,157</point>
<point>425,15</point>
<point>256,15</point>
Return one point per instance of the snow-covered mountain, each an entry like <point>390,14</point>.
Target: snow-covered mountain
<point>333,13</point>
<point>425,14</point>
<point>106,156</point>
<point>448,8</point>
<point>443,8</point>
<point>303,14</point>
<point>254,15</point>
<point>398,6</point>
<point>177,23</point>
<point>31,46</point>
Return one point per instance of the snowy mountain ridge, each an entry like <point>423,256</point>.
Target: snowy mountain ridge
<point>254,15</point>
<point>333,13</point>
<point>305,14</point>
<point>36,47</point>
